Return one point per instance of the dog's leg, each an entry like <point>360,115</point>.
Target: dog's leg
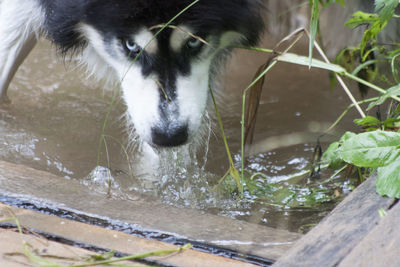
<point>20,22</point>
<point>10,60</point>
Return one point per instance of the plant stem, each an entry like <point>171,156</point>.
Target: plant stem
<point>103,130</point>
<point>334,175</point>
<point>257,49</point>
<point>135,257</point>
<point>221,126</point>
<point>347,110</point>
<point>124,149</point>
<point>371,85</point>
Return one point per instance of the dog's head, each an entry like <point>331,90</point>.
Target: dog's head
<point>164,77</point>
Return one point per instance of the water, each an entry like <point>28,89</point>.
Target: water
<point>56,117</point>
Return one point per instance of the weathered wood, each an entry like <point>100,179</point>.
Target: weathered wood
<point>26,183</point>
<point>381,247</point>
<point>12,249</point>
<point>104,238</point>
<point>331,240</point>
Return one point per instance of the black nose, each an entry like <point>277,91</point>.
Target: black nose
<point>169,136</point>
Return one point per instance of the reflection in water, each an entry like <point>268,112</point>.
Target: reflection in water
<point>54,124</point>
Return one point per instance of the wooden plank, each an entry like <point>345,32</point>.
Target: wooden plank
<point>12,249</point>
<point>144,213</point>
<point>337,234</point>
<point>381,247</point>
<point>113,240</point>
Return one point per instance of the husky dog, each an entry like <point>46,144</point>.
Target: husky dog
<point>164,78</point>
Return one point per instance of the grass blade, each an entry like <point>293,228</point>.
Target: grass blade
<point>302,60</point>
<point>232,170</point>
<point>313,27</point>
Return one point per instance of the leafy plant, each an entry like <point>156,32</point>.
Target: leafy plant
<point>378,148</point>
<point>375,150</point>
<point>377,22</point>
<point>361,59</point>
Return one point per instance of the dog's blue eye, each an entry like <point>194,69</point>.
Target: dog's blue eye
<point>194,43</point>
<point>132,47</point>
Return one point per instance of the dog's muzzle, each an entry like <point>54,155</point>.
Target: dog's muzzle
<point>170,136</point>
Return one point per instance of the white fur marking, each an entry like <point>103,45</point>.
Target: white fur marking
<point>142,97</point>
<point>178,37</point>
<point>141,94</point>
<point>192,94</point>
<point>145,39</point>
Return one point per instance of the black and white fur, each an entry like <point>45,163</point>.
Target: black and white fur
<point>166,90</point>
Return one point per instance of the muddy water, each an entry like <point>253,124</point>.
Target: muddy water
<point>56,117</point>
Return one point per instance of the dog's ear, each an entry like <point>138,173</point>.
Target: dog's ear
<point>251,22</point>
<point>237,21</point>
<point>246,26</point>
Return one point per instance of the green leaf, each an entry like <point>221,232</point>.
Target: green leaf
<point>386,8</point>
<point>347,57</point>
<point>331,156</point>
<point>368,121</point>
<point>377,22</point>
<point>330,2</point>
<point>368,65</point>
<point>371,33</point>
<point>382,213</point>
<point>388,182</point>
<point>346,137</point>
<point>393,91</point>
<point>393,57</point>
<point>360,18</point>
<point>341,2</point>
<point>371,149</point>
<point>236,176</point>
<point>391,122</point>
<point>301,60</point>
